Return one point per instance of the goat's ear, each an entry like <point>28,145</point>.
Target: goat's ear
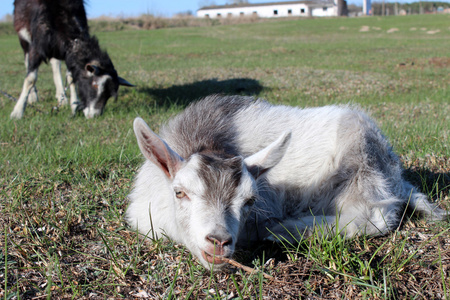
<point>92,69</point>
<point>124,82</point>
<point>156,150</point>
<point>260,162</point>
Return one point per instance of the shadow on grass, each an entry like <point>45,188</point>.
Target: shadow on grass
<point>186,93</point>
<point>428,181</point>
<point>261,251</point>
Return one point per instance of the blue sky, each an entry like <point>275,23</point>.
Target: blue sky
<point>95,8</point>
<point>130,8</point>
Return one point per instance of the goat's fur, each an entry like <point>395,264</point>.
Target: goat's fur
<point>55,31</point>
<point>233,170</point>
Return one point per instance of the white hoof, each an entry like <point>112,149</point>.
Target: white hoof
<point>32,96</point>
<point>62,99</point>
<point>16,115</point>
<point>74,108</point>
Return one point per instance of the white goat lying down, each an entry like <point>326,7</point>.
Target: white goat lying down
<point>232,170</point>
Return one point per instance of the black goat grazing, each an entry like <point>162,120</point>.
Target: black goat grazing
<point>58,30</point>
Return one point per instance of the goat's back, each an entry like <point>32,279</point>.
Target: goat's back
<point>238,125</point>
<point>68,16</point>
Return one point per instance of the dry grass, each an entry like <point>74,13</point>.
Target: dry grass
<point>150,22</point>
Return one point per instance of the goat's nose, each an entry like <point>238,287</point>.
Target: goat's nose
<point>219,240</point>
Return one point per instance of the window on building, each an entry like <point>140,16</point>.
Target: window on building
<point>325,8</point>
<point>302,10</point>
<point>275,12</point>
<point>219,15</point>
<point>207,16</point>
<point>255,13</point>
<point>229,15</point>
<point>241,14</point>
<point>289,11</point>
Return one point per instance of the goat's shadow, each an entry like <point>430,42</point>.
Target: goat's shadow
<point>425,180</point>
<point>428,181</point>
<point>186,93</point>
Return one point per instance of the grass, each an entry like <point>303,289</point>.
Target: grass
<point>64,180</point>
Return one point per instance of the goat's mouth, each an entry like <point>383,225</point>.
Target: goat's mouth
<point>90,113</point>
<point>214,259</point>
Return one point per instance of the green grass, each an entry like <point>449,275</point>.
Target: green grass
<point>64,180</point>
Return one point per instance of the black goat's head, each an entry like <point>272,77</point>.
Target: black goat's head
<point>94,74</point>
<point>96,86</point>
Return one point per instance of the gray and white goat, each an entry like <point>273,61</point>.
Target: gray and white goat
<point>233,170</point>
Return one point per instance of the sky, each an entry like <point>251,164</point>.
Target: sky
<point>130,8</point>
<point>160,8</point>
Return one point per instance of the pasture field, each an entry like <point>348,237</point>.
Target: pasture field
<point>64,180</point>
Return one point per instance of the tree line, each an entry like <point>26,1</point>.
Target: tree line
<point>394,8</point>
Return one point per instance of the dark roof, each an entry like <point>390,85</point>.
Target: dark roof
<point>262,4</point>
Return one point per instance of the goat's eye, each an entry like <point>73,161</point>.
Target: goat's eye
<point>250,201</point>
<point>180,194</point>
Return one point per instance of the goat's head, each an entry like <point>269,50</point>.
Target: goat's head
<point>212,194</point>
<point>96,86</point>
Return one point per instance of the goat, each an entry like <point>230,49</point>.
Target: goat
<point>55,31</point>
<point>231,170</point>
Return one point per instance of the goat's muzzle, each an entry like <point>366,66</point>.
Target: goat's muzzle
<point>217,248</point>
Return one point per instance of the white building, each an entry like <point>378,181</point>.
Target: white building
<point>272,10</point>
